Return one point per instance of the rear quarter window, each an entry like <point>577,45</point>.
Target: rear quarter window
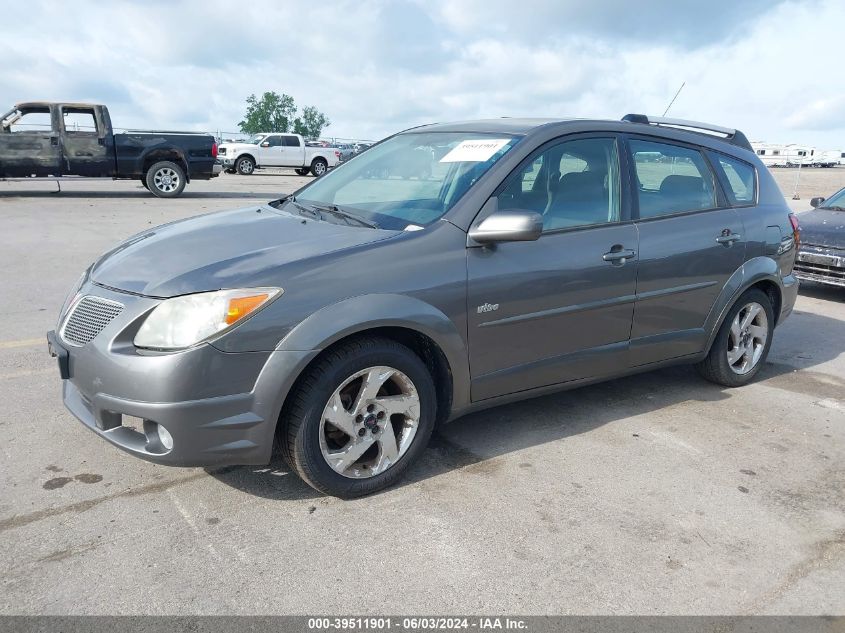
<point>738,178</point>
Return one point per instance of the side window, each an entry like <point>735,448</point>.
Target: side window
<point>34,120</point>
<point>273,141</point>
<point>79,121</point>
<point>573,183</point>
<point>740,177</point>
<point>291,141</point>
<point>671,179</point>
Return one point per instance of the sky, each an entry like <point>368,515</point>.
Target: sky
<point>772,68</point>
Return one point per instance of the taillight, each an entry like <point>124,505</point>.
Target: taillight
<point>337,154</point>
<point>796,229</point>
<point>214,150</point>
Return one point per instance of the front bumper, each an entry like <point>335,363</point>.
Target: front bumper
<point>821,264</point>
<point>218,408</point>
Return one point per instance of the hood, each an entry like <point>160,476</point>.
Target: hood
<point>233,249</point>
<point>823,227</point>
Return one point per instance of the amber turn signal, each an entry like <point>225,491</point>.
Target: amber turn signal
<point>239,307</point>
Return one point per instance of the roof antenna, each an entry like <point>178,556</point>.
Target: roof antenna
<point>673,98</point>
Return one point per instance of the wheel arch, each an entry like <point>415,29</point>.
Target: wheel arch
<point>423,328</point>
<point>172,154</point>
<point>759,272</point>
<point>245,155</point>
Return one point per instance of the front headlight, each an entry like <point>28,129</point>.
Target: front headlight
<point>71,297</point>
<point>185,321</point>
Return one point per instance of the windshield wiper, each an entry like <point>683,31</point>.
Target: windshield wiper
<point>346,215</point>
<point>303,210</point>
<point>834,208</point>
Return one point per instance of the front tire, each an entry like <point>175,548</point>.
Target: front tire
<point>359,418</point>
<point>742,343</point>
<point>245,166</point>
<point>165,179</point>
<point>319,166</point>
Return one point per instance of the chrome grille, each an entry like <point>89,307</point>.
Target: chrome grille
<point>88,318</point>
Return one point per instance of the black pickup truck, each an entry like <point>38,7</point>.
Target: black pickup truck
<point>42,139</point>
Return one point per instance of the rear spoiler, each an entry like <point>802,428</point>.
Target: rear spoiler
<point>732,136</point>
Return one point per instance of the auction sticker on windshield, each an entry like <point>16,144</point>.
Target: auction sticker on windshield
<point>474,151</point>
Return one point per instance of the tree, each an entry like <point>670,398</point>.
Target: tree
<point>272,113</point>
<point>275,112</point>
<point>311,123</point>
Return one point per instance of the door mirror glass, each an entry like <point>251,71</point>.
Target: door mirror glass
<point>513,225</point>
<point>265,144</point>
<point>816,202</point>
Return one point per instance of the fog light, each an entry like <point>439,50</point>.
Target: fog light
<point>165,437</point>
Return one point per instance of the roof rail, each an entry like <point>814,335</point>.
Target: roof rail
<point>733,136</point>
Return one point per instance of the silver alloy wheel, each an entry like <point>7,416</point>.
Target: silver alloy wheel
<point>747,338</point>
<point>319,168</point>
<point>369,422</point>
<point>246,166</point>
<point>166,179</point>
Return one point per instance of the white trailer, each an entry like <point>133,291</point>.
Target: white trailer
<point>784,155</point>
<point>829,158</point>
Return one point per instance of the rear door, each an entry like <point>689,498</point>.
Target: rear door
<point>560,308</point>
<point>691,242</point>
<point>30,143</point>
<point>87,147</point>
<point>293,153</point>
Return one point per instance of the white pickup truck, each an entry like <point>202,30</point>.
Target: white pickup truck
<point>272,149</point>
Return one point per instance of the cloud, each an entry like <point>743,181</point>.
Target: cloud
<point>378,66</point>
<point>825,113</point>
<point>685,24</point>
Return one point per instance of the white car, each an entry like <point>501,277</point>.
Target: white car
<point>271,149</point>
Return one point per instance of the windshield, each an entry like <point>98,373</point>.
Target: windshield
<point>255,139</point>
<point>836,200</point>
<point>409,180</point>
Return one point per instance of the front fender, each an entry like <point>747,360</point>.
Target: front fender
<point>366,312</point>
<point>753,271</point>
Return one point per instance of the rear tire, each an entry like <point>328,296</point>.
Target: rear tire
<point>165,179</point>
<point>319,166</point>
<point>387,426</point>
<point>245,166</point>
<point>742,344</point>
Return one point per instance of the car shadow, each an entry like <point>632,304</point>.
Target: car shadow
<point>474,441</point>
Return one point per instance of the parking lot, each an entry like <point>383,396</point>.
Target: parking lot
<point>655,494</point>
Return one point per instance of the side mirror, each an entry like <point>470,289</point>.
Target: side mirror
<point>265,144</point>
<point>513,225</point>
<point>816,202</point>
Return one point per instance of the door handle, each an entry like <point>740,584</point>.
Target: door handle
<point>727,238</point>
<point>619,257</point>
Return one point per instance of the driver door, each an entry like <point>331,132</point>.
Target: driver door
<point>559,308</point>
<point>30,143</point>
<point>270,151</point>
